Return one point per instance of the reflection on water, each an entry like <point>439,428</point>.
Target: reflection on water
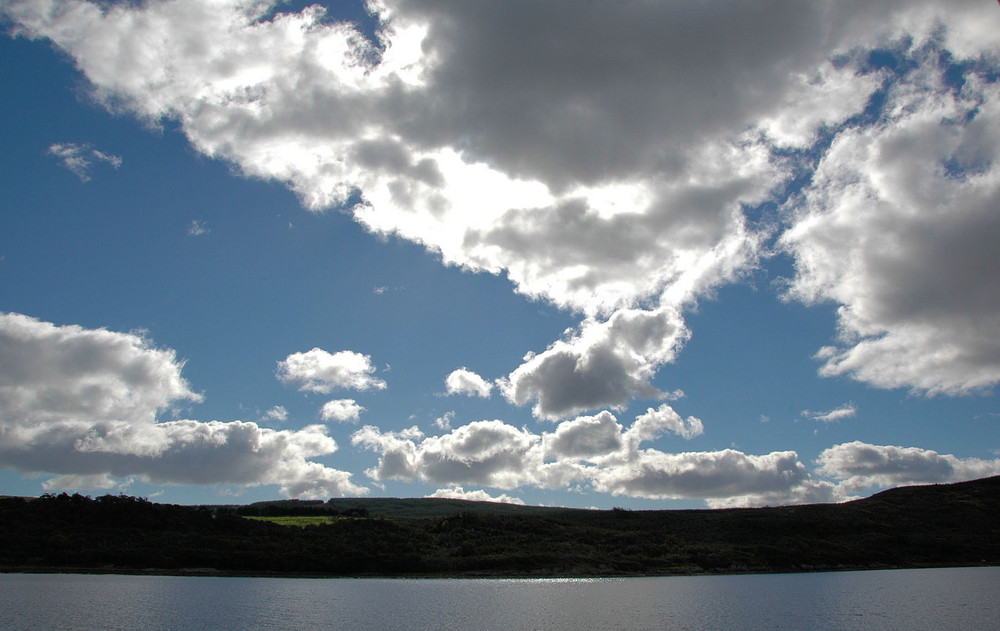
<point>958,598</point>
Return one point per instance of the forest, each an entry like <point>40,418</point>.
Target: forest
<point>922,526</point>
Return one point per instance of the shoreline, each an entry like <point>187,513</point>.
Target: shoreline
<point>216,573</point>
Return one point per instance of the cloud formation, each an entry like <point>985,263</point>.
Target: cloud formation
<point>198,228</point>
<point>83,404</point>
<point>80,158</point>
<point>277,413</point>
<point>458,493</point>
<point>594,451</point>
<point>859,466</point>
<point>553,145</point>
<point>848,410</point>
<point>341,410</point>
<point>605,365</point>
<point>610,159</point>
<point>320,371</point>
<point>898,228</point>
<point>464,381</point>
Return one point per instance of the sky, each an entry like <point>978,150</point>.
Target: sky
<point>648,255</point>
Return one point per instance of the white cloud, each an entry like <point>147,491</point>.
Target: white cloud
<point>68,373</point>
<point>489,453</point>
<point>718,474</point>
<point>341,410</point>
<point>198,228</point>
<point>277,413</point>
<point>444,421</point>
<point>398,452</point>
<point>79,158</point>
<point>859,466</point>
<point>464,381</point>
<point>595,451</point>
<point>95,482</point>
<point>808,491</point>
<point>848,410</point>
<point>603,157</point>
<point>83,404</point>
<point>900,229</point>
<point>585,438</point>
<point>605,365</point>
<point>649,425</point>
<point>458,493</point>
<point>319,371</point>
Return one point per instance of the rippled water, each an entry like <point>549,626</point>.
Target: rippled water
<point>960,598</point>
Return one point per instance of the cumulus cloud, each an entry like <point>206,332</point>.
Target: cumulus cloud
<point>488,453</point>
<point>80,158</point>
<point>649,425</point>
<point>899,229</point>
<point>341,410</point>
<point>68,373</point>
<point>596,451</point>
<point>95,482</point>
<point>83,404</point>
<point>726,473</point>
<point>464,381</point>
<point>458,493</point>
<point>859,466</point>
<point>320,371</point>
<point>605,365</point>
<point>586,437</point>
<point>848,410</point>
<point>552,144</point>
<point>606,158</point>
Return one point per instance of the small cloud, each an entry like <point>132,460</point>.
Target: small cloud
<point>342,410</point>
<point>82,482</point>
<point>277,413</point>
<point>458,493</point>
<point>380,290</point>
<point>319,371</point>
<point>110,158</point>
<point>80,158</point>
<point>464,381</point>
<point>764,418</point>
<point>848,410</point>
<point>444,422</point>
<point>197,228</point>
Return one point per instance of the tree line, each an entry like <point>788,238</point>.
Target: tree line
<point>956,524</point>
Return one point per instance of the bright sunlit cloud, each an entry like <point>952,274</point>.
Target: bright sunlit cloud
<point>766,208</point>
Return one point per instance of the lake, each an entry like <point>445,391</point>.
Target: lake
<point>954,598</point>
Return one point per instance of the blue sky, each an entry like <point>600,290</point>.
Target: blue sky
<point>651,256</point>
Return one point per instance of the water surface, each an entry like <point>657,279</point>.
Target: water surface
<point>956,598</point>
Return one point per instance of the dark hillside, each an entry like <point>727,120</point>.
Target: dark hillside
<point>956,524</point>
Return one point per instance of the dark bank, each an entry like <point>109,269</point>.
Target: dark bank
<point>910,527</point>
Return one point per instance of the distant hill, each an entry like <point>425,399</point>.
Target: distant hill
<point>924,526</point>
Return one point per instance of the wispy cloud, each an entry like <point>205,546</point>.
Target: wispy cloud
<point>277,413</point>
<point>847,410</point>
<point>80,158</point>
<point>197,228</point>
